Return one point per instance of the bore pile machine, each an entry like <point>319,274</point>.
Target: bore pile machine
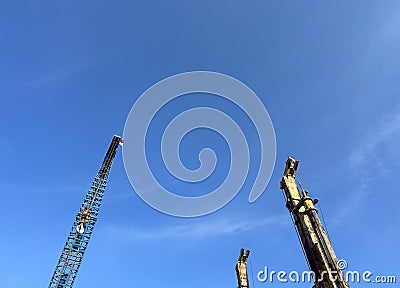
<point>317,247</point>
<point>315,242</point>
<point>241,269</point>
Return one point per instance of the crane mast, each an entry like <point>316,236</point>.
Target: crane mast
<point>241,269</point>
<point>316,244</point>
<point>82,228</point>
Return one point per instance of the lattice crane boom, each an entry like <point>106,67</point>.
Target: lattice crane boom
<point>78,238</point>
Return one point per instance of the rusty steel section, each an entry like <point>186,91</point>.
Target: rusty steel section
<point>316,244</point>
<point>241,269</point>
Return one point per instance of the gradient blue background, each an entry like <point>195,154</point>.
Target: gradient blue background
<point>70,71</point>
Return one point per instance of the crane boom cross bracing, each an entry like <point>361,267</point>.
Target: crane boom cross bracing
<point>82,228</point>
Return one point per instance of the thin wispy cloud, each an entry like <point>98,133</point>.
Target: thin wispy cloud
<point>386,129</point>
<point>198,230</point>
<point>371,155</point>
<point>57,74</point>
<point>352,201</point>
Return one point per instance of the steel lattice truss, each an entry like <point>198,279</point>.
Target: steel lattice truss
<point>82,228</point>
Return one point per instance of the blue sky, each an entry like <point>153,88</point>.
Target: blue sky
<point>70,72</point>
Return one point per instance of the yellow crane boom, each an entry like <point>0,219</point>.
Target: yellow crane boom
<point>241,269</point>
<point>316,244</point>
